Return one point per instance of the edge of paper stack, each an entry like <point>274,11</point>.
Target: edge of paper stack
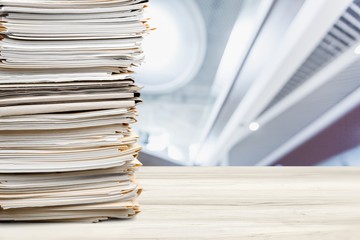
<point>67,99</point>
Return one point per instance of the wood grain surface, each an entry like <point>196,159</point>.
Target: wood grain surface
<point>226,203</point>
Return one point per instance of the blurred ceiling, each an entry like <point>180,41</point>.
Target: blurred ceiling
<point>273,74</point>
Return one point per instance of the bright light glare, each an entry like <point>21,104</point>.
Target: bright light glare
<point>357,50</point>
<point>158,143</point>
<point>254,126</point>
<point>174,51</point>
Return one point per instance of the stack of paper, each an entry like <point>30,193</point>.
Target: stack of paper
<point>67,99</point>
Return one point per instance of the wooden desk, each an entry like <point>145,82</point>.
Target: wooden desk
<point>226,203</point>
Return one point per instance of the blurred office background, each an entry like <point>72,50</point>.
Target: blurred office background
<point>251,82</point>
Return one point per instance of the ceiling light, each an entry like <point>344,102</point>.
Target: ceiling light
<point>254,126</point>
<point>175,50</point>
<point>357,50</point>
